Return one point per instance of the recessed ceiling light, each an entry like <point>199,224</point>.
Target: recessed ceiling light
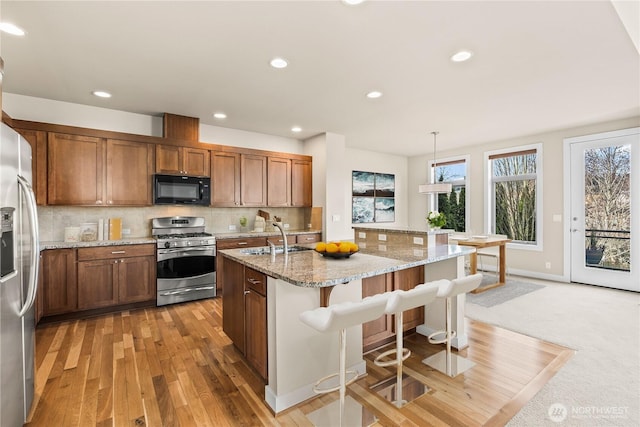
<point>220,115</point>
<point>10,28</point>
<point>296,129</point>
<point>101,94</point>
<point>352,2</point>
<point>461,56</point>
<point>279,63</point>
<point>374,94</point>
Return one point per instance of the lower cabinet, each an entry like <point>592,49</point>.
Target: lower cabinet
<point>235,243</point>
<point>244,313</point>
<point>255,319</point>
<point>382,330</point>
<point>59,282</point>
<point>114,275</point>
<point>308,238</point>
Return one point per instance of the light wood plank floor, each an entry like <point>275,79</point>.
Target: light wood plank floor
<point>173,366</point>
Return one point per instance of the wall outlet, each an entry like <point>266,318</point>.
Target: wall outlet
<point>382,248</point>
<point>547,265</point>
<point>418,241</point>
<point>557,218</point>
<point>335,218</point>
<point>382,237</point>
<point>126,231</point>
<point>362,235</point>
<point>232,228</point>
<point>285,226</point>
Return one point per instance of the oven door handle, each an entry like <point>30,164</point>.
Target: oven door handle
<point>172,251</point>
<point>186,291</point>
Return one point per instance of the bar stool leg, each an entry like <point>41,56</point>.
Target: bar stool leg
<point>399,341</point>
<point>445,361</point>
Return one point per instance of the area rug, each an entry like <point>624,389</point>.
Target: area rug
<point>512,289</point>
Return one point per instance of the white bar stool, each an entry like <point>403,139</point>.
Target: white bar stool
<point>444,361</point>
<point>399,302</point>
<point>339,317</point>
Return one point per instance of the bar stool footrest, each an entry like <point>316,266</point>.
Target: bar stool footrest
<point>433,340</point>
<point>318,390</point>
<point>393,362</point>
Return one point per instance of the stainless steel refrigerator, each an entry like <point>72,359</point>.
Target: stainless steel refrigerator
<point>19,252</point>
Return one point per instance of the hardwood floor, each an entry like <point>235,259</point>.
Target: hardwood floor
<point>173,366</point>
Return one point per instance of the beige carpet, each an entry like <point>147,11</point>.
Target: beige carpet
<point>600,385</point>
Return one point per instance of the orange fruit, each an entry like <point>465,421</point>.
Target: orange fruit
<point>345,248</point>
<point>332,248</point>
<point>354,247</point>
<point>321,247</point>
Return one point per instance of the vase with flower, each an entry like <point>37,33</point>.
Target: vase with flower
<point>436,220</point>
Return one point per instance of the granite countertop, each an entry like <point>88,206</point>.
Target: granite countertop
<point>246,234</point>
<point>402,230</point>
<point>96,243</point>
<point>310,269</point>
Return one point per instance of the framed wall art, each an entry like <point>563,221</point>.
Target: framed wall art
<point>373,197</point>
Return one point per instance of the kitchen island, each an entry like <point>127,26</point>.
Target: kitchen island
<point>298,355</point>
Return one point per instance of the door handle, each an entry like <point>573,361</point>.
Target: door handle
<point>35,244</point>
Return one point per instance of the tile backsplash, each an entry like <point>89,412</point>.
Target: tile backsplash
<point>53,219</point>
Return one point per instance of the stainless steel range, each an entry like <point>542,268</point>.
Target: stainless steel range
<point>186,259</point>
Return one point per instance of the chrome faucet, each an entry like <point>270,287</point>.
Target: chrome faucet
<point>284,238</point>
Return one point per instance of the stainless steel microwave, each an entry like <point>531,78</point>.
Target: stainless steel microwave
<point>181,190</point>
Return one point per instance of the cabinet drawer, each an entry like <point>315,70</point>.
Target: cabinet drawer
<point>309,238</point>
<point>256,281</point>
<point>241,243</point>
<point>278,240</point>
<point>121,251</point>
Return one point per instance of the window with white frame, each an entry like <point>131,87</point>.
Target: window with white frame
<point>514,196</point>
<point>455,205</point>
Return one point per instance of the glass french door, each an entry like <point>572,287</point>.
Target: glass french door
<point>605,211</point>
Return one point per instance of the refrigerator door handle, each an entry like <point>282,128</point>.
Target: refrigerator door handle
<point>35,244</point>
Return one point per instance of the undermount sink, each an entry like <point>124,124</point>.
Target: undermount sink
<point>265,250</point>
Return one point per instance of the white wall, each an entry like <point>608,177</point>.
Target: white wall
<point>65,113</point>
<point>369,161</point>
<point>520,261</point>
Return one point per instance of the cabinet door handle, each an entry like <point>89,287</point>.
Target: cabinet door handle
<point>254,281</point>
<point>246,292</point>
<point>118,252</point>
<point>242,243</point>
<point>98,202</point>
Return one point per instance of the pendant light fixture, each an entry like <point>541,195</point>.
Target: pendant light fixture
<point>434,187</point>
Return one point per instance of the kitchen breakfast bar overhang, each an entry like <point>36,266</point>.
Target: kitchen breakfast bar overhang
<point>297,355</point>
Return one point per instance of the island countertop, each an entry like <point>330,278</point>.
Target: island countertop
<point>311,269</point>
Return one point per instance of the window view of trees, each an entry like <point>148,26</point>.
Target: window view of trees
<point>453,204</point>
<point>607,206</point>
<point>514,182</point>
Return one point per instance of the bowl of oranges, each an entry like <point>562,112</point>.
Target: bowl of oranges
<point>336,249</point>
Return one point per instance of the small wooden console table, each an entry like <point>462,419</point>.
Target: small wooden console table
<point>479,243</point>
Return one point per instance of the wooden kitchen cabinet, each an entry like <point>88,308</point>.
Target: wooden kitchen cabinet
<point>253,180</point>
<point>309,238</point>
<point>277,240</point>
<point>406,280</point>
<point>301,183</point>
<point>239,243</point>
<point>233,307</point>
<point>38,141</point>
<point>128,173</point>
<point>278,181</point>
<point>94,171</point>
<point>255,317</point>
<point>225,179</point>
<point>382,330</point>
<point>173,159</point>
<point>75,170</point>
<point>112,275</point>
<point>59,281</point>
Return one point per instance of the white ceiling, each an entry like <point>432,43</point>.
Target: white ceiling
<point>537,66</point>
